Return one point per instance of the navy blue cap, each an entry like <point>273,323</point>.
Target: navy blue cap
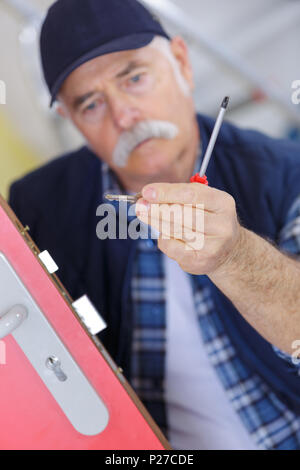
<point>76,31</point>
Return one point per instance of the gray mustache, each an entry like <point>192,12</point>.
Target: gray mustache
<point>142,131</point>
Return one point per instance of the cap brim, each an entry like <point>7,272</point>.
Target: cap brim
<point>134,41</point>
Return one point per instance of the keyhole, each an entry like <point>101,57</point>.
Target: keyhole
<point>53,363</point>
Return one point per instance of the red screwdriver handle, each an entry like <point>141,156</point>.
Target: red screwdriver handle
<point>199,179</point>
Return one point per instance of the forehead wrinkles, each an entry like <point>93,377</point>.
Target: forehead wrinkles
<point>93,74</point>
<point>117,62</point>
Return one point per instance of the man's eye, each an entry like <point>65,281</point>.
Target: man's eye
<point>91,106</point>
<point>136,78</point>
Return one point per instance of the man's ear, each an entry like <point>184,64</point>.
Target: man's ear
<point>61,110</point>
<point>181,54</point>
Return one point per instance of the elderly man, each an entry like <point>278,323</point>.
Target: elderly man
<point>207,336</point>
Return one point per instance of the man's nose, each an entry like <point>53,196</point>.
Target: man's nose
<point>124,113</point>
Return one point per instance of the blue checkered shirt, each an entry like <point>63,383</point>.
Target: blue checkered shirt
<point>270,423</point>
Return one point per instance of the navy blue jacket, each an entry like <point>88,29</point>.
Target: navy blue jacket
<point>59,202</point>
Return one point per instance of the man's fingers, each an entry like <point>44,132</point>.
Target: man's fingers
<point>174,249</point>
<point>178,216</point>
<point>172,230</point>
<point>192,193</point>
<point>178,250</point>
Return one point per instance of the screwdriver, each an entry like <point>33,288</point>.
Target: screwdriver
<point>201,177</point>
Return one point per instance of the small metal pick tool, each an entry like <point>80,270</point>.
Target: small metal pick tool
<point>124,198</point>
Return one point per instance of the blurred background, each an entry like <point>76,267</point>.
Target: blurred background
<point>248,49</point>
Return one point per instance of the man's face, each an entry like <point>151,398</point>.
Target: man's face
<point>109,95</point>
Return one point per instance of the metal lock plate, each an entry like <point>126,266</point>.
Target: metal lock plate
<point>48,355</point>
